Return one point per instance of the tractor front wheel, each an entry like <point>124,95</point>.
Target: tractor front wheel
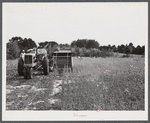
<point>20,67</point>
<point>27,72</point>
<point>45,65</point>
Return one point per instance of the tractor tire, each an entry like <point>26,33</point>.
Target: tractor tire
<point>45,65</point>
<point>20,67</point>
<point>27,72</point>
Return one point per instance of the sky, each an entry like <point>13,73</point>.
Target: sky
<point>113,23</point>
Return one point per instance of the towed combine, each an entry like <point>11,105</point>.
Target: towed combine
<point>47,57</point>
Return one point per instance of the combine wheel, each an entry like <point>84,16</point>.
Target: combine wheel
<point>51,68</point>
<point>20,67</point>
<point>27,72</point>
<point>45,65</point>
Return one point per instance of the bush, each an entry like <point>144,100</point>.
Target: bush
<point>13,50</point>
<point>87,53</point>
<point>106,53</point>
<point>93,52</point>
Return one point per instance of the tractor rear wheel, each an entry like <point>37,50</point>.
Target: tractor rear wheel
<point>45,66</point>
<point>20,67</point>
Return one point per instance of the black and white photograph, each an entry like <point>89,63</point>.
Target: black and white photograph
<point>74,61</point>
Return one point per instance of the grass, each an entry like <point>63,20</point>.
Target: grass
<point>94,84</point>
<point>106,84</point>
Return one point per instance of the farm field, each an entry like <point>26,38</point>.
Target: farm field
<point>94,84</point>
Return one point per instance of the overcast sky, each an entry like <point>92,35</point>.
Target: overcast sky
<point>107,23</point>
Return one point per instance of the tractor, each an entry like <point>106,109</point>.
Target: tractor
<point>36,58</point>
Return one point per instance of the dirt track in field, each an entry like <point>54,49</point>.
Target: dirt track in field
<point>39,93</point>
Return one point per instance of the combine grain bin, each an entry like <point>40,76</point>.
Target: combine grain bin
<point>63,59</point>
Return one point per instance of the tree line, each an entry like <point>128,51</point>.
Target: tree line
<point>17,44</point>
<point>80,47</point>
<point>85,47</point>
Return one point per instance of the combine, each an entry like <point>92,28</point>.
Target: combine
<point>47,57</point>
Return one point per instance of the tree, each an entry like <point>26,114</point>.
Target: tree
<point>109,47</point>
<point>92,44</point>
<point>87,43</point>
<point>76,51</point>
<point>130,44</point>
<point>64,46</point>
<point>13,50</point>
<point>143,50</point>
<point>127,50</point>
<point>83,51</point>
<point>17,44</point>
<point>131,47</point>
<point>87,53</point>
<point>138,50</point>
<point>114,48</point>
<point>73,43</point>
<point>121,48</point>
<point>81,43</point>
